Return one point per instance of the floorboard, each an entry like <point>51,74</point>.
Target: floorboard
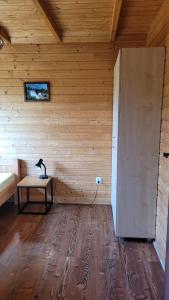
<point>72,254</point>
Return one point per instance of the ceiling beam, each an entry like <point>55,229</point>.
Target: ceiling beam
<point>4,35</point>
<point>47,18</point>
<point>159,27</point>
<point>115,19</point>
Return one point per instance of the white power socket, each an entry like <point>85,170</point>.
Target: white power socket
<point>99,180</point>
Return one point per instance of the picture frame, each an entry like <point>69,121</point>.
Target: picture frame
<point>36,91</point>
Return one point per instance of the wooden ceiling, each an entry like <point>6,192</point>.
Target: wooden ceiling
<point>73,21</point>
<point>136,18</point>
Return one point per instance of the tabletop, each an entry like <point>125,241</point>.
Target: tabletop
<point>33,181</point>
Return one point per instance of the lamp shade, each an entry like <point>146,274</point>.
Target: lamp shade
<point>39,163</point>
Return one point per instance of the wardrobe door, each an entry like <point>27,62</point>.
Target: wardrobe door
<point>116,92</point>
<point>139,139</point>
<point>138,86</point>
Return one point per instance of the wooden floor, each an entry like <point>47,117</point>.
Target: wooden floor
<point>72,254</point>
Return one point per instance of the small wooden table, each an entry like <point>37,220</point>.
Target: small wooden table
<point>30,182</point>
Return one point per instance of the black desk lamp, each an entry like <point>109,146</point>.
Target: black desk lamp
<point>38,165</point>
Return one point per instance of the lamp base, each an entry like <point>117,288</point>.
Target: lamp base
<point>43,177</point>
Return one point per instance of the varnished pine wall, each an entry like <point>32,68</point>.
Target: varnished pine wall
<point>72,133</point>
<point>163,182</point>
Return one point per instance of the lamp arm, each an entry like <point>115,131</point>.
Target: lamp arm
<point>44,167</point>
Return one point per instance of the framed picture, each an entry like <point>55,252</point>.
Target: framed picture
<point>37,91</point>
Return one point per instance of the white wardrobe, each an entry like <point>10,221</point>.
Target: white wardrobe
<point>137,104</point>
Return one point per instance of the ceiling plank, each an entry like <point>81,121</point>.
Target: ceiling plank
<point>47,18</point>
<point>115,19</point>
<point>159,27</point>
<point>4,35</point>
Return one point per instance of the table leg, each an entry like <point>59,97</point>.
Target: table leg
<point>51,191</point>
<point>46,204</point>
<point>19,207</point>
<point>27,189</point>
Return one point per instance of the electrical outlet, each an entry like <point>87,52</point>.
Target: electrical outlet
<point>99,180</point>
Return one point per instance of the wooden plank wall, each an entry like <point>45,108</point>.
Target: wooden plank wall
<point>163,182</point>
<point>72,133</point>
